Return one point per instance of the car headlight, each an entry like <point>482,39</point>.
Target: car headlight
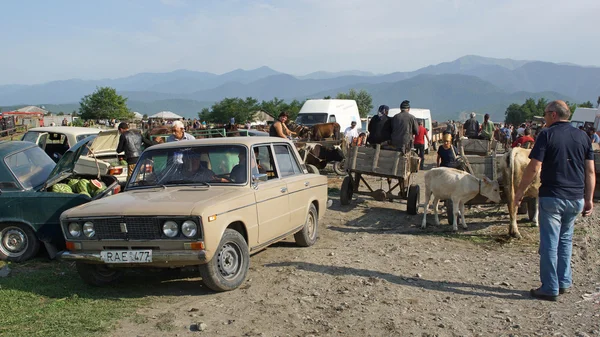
<point>75,229</point>
<point>88,229</point>
<point>189,228</point>
<point>170,229</point>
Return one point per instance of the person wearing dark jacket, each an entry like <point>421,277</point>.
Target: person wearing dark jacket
<point>404,128</point>
<point>379,127</point>
<point>131,142</point>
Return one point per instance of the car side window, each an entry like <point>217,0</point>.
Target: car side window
<point>265,162</point>
<point>287,164</point>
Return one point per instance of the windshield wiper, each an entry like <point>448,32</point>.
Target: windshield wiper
<point>185,182</point>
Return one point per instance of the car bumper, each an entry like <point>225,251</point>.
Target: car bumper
<point>158,257</point>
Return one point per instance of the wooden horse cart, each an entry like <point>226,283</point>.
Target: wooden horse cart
<point>377,162</point>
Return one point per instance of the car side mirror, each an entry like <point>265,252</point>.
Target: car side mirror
<point>256,178</point>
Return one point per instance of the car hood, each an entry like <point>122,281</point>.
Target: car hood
<point>66,165</point>
<point>106,142</point>
<point>155,201</point>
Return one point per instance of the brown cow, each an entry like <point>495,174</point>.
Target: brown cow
<point>512,166</point>
<point>325,130</point>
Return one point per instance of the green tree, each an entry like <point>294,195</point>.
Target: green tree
<point>363,100</point>
<point>514,114</point>
<point>104,103</point>
<point>145,116</point>
<point>240,109</point>
<point>327,97</point>
<point>276,106</point>
<point>587,104</point>
<point>60,114</point>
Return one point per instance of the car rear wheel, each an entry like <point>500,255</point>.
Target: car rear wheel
<point>18,242</point>
<point>98,275</point>
<point>228,268</point>
<point>308,235</point>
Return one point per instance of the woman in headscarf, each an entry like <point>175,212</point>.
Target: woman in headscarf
<point>447,153</point>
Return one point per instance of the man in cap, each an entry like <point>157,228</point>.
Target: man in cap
<point>379,127</point>
<point>404,127</point>
<point>471,127</point>
<point>351,132</point>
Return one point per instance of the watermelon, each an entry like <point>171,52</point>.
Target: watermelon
<point>72,183</point>
<point>85,193</point>
<point>95,184</point>
<point>98,191</point>
<point>82,186</point>
<point>61,188</point>
<point>123,162</point>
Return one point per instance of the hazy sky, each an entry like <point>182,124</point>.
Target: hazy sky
<point>59,39</point>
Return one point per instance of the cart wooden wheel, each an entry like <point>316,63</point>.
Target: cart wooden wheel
<point>412,203</point>
<point>347,191</point>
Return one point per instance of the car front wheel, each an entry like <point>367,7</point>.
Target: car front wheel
<point>97,275</point>
<point>228,268</point>
<point>18,242</point>
<point>308,235</point>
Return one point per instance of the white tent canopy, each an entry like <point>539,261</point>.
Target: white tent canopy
<point>166,115</point>
<point>137,115</point>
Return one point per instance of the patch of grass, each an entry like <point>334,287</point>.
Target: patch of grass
<point>576,231</point>
<point>139,319</point>
<point>49,299</point>
<point>333,190</point>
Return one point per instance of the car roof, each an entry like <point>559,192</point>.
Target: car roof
<point>7,147</point>
<point>247,141</point>
<point>74,130</point>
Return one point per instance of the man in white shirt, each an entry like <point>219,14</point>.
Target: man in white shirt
<point>351,132</point>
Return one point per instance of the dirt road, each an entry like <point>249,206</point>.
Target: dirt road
<point>374,272</point>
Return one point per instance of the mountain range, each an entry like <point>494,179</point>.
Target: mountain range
<point>470,83</point>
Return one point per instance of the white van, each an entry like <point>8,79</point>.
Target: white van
<point>584,117</point>
<point>423,115</point>
<point>341,111</point>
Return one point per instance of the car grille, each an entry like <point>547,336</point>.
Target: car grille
<point>138,228</point>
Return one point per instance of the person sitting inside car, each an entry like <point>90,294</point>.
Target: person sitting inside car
<point>195,170</point>
<point>239,171</point>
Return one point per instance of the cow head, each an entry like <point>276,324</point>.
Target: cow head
<point>490,189</point>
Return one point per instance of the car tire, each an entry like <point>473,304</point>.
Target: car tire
<point>18,242</point>
<point>312,169</point>
<point>339,168</point>
<point>412,202</point>
<point>98,275</point>
<point>346,191</point>
<point>228,268</point>
<point>308,235</point>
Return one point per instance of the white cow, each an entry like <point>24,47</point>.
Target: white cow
<point>459,186</point>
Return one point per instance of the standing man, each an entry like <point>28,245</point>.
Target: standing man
<point>179,133</point>
<point>130,142</point>
<point>404,127</point>
<point>379,126</point>
<point>351,133</point>
<point>420,142</point>
<point>279,129</point>
<point>471,127</point>
<point>566,160</point>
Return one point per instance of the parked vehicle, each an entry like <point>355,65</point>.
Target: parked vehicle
<point>56,140</point>
<point>102,155</point>
<point>423,115</point>
<point>585,117</point>
<point>341,111</point>
<point>199,203</point>
<point>30,203</point>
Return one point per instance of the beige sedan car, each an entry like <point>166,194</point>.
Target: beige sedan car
<point>208,203</point>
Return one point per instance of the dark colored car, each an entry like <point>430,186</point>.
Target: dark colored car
<point>29,212</point>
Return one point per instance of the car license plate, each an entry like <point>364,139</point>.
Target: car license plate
<point>126,256</point>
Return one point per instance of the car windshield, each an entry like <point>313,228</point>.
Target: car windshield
<point>198,165</point>
<point>311,118</point>
<point>31,167</point>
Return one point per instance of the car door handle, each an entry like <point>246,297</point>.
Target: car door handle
<point>283,189</point>
<point>306,184</point>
